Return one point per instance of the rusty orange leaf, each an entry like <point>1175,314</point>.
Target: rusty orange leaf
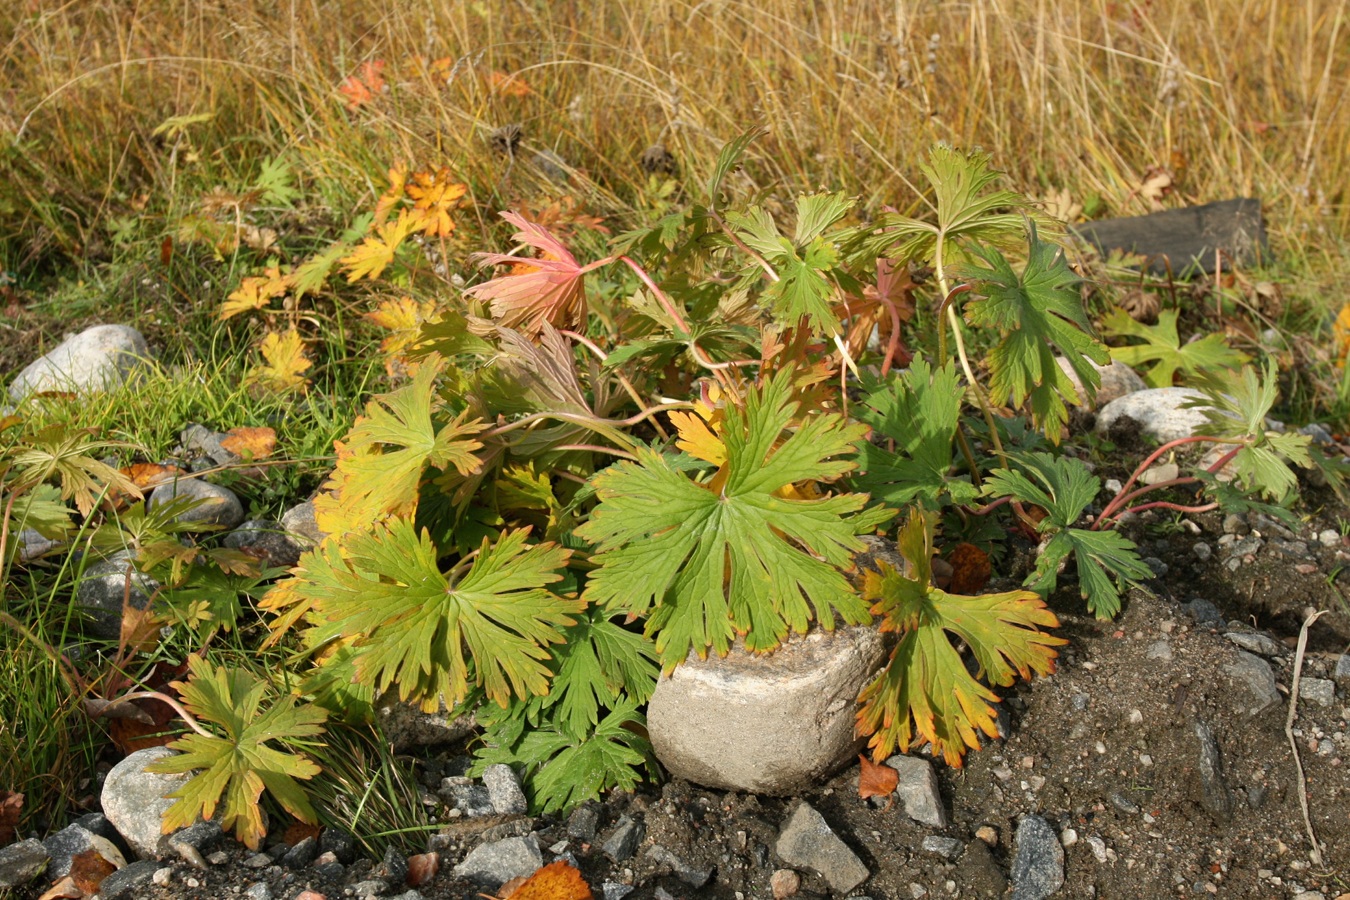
<point>876,780</point>
<point>509,85</point>
<point>250,442</point>
<point>970,569</point>
<point>555,881</point>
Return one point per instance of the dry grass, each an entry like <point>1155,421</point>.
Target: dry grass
<point>1234,97</point>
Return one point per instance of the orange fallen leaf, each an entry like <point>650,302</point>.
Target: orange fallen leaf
<point>877,780</point>
<point>297,831</point>
<point>11,804</point>
<point>509,85</point>
<point>148,475</point>
<point>970,569</point>
<point>87,871</point>
<point>422,867</point>
<point>555,881</point>
<point>250,443</point>
<point>361,88</point>
<point>65,889</point>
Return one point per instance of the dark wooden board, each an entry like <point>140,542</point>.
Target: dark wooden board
<point>1185,239</point>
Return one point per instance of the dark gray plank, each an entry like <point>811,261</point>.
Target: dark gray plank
<point>1186,238</point>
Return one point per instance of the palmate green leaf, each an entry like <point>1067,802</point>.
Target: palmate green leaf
<point>728,159</point>
<point>1063,487</point>
<point>926,693</point>
<point>804,284</point>
<point>1164,352</point>
<point>67,455</point>
<point>416,628</point>
<point>233,770</point>
<point>919,410</point>
<point>598,663</point>
<point>1236,408</point>
<point>705,565</point>
<point>964,206</point>
<point>1036,313</point>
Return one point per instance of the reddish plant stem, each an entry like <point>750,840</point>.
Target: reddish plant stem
<point>1114,509</point>
<point>1165,504</point>
<point>1126,495</point>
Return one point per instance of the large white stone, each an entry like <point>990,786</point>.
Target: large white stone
<point>1158,412</point>
<point>771,723</point>
<point>98,358</point>
<point>1117,380</point>
<point>134,800</point>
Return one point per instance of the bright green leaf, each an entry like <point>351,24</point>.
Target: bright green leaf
<point>1163,351</point>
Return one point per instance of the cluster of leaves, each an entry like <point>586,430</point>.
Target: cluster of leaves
<point>576,486</point>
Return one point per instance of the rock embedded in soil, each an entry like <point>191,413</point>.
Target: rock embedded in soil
<point>771,723</point>
<point>134,799</point>
<point>1215,795</point>
<point>807,841</point>
<point>406,726</point>
<point>621,843</point>
<point>300,523</point>
<point>129,882</point>
<point>1254,675</point>
<point>266,539</point>
<point>496,863</point>
<point>1321,691</point>
<point>917,790</point>
<point>97,359</point>
<point>215,505</point>
<point>504,791</point>
<point>103,594</point>
<point>1255,642</point>
<point>1038,866</point>
<point>1157,411</point>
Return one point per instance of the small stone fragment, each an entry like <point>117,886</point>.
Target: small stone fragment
<point>690,875</point>
<point>73,839</point>
<point>340,843</point>
<point>806,841</point>
<point>1321,691</point>
<point>1256,642</point>
<point>302,854</point>
<point>917,790</point>
<point>784,883</point>
<point>988,834</point>
<point>623,841</point>
<point>1038,866</point>
<point>1204,612</point>
<point>130,881</point>
<point>1215,796</point>
<point>582,823</point>
<point>21,862</point>
<point>1202,551</point>
<point>504,791</point>
<point>948,848</point>
<point>1098,848</point>
<point>258,890</point>
<point>496,863</point>
<point>1160,650</point>
<point>1254,674</point>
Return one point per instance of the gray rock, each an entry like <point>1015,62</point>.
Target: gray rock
<point>1256,642</point>
<point>1235,524</point>
<point>765,723</point>
<point>1158,412</point>
<point>1202,551</point>
<point>504,791</point>
<point>200,836</point>
<point>1124,804</point>
<point>32,545</point>
<point>97,359</point>
<point>406,726</point>
<point>494,864</point>
<point>134,800</point>
<point>102,592</point>
<point>300,523</point>
<point>342,844</point>
<point>689,874</point>
<point>623,841</point>
<point>393,868</point>
<point>1319,433</point>
<point>302,854</point>
<point>265,539</point>
<point>1117,380</point>
<point>1253,673</point>
<point>470,799</point>
<point>1215,795</point>
<point>612,890</point>
<point>64,844</point>
<point>582,823</point>
<point>806,841</point>
<point>949,848</point>
<point>215,505</point>
<point>1342,670</point>
<point>1038,865</point>
<point>1321,691</point>
<point>1160,650</point>
<point>198,439</point>
<point>917,789</point>
<point>23,861</point>
<point>369,889</point>
<point>258,890</point>
<point>130,882</point>
<point>1204,612</point>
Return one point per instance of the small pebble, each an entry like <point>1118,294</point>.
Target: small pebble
<point>784,883</point>
<point>1068,837</point>
<point>988,834</point>
<point>162,876</point>
<point>1098,847</point>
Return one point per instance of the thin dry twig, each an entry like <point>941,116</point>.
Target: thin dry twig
<point>1315,855</point>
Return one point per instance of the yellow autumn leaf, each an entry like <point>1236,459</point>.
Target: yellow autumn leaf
<point>1340,333</point>
<point>435,194</point>
<point>403,318</point>
<point>398,180</point>
<point>377,251</point>
<point>697,439</point>
<point>254,292</point>
<point>285,359</point>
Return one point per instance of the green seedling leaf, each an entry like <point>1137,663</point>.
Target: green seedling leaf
<point>236,768</point>
<point>1036,313</point>
<point>707,561</point>
<point>1164,353</point>
<point>926,692</point>
<point>804,284</point>
<point>276,181</point>
<point>1236,408</point>
<point>611,757</point>
<point>1063,487</point>
<point>418,628</point>
<point>919,410</point>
